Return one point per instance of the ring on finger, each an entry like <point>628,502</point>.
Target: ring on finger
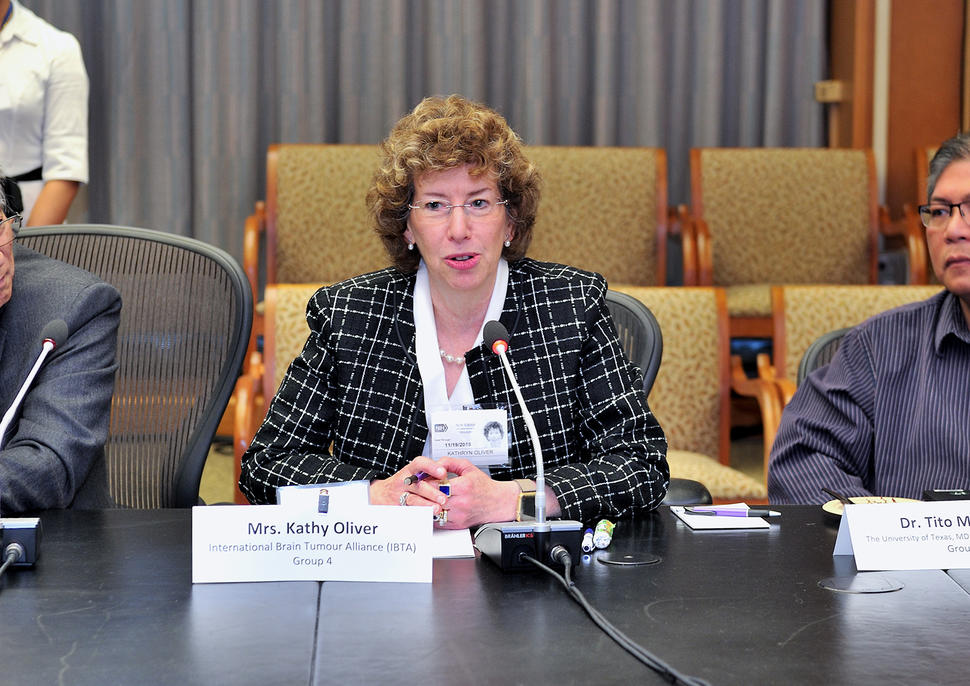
<point>403,500</point>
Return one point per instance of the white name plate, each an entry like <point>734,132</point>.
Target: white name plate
<point>931,535</point>
<point>278,543</point>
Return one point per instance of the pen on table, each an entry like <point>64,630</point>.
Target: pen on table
<point>724,512</point>
<point>414,478</point>
<point>838,496</point>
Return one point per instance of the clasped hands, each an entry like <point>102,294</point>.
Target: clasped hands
<point>475,497</point>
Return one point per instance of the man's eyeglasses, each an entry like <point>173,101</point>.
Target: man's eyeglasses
<point>937,214</point>
<point>435,211</point>
<point>14,222</point>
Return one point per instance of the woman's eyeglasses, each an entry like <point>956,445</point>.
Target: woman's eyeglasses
<point>437,212</point>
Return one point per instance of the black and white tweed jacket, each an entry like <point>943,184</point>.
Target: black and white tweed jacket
<point>356,387</point>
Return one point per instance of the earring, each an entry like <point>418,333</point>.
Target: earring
<point>508,242</point>
<point>410,246</point>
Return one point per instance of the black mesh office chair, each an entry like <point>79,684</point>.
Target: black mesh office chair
<point>642,341</point>
<point>820,353</point>
<point>185,320</point>
<point>639,334</point>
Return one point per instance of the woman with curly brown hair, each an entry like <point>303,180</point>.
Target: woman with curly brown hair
<point>396,352</point>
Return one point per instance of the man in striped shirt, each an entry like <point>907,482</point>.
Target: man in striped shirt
<point>890,415</point>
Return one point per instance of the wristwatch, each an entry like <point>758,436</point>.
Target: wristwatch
<point>526,507</point>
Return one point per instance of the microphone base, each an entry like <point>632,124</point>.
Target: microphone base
<point>26,532</point>
<point>504,543</point>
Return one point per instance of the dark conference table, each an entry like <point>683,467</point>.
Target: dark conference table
<point>111,601</point>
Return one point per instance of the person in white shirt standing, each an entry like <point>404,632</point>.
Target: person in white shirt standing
<point>43,113</point>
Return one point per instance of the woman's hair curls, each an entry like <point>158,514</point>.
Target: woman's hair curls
<point>441,134</point>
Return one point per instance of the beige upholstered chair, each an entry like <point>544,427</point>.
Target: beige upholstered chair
<point>768,216</point>
<point>801,315</point>
<point>605,210</point>
<point>313,225</point>
<point>314,222</point>
<point>285,333</point>
<point>690,394</point>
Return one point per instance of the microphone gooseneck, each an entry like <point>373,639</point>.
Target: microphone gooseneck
<point>511,544</point>
<point>496,336</point>
<point>53,334</point>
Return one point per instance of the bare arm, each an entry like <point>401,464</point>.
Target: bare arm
<point>53,203</point>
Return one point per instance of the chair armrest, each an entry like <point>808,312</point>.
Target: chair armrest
<point>786,389</point>
<point>680,223</point>
<point>687,492</point>
<point>705,258</point>
<point>252,233</point>
<point>915,239</point>
<point>673,220</point>
<point>907,234</point>
<point>764,389</point>
<point>247,386</point>
<point>249,403</point>
<point>254,228</point>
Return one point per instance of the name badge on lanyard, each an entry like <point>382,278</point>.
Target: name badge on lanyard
<point>480,436</point>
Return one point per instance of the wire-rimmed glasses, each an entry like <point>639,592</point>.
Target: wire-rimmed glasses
<point>437,211</point>
<point>937,214</point>
<point>14,222</point>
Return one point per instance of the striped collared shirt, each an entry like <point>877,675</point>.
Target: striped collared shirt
<point>889,416</point>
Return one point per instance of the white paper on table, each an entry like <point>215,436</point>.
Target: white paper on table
<point>709,522</point>
<point>452,543</point>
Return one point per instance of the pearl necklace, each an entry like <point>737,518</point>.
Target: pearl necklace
<point>454,359</point>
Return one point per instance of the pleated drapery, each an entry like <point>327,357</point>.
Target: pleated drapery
<point>186,95</point>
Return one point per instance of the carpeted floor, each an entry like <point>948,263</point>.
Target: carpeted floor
<point>747,455</point>
<point>218,478</point>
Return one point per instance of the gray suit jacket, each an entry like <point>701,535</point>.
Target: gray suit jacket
<point>53,452</point>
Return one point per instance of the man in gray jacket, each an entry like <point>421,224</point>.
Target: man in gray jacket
<point>52,453</point>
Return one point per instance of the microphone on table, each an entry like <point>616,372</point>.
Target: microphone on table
<point>20,542</point>
<point>20,536</point>
<point>506,543</point>
<point>53,335</point>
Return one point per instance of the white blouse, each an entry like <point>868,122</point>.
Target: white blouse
<point>430,364</point>
<point>43,102</point>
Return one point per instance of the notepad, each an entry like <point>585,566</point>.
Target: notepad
<point>705,522</point>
